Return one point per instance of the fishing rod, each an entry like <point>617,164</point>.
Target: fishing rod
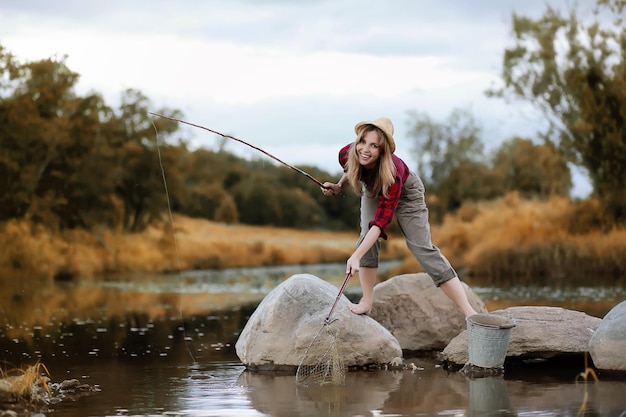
<point>245,143</point>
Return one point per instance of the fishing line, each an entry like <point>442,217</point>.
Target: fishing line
<point>171,217</point>
<point>298,170</point>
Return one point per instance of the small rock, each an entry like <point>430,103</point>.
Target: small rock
<point>396,363</point>
<point>69,385</point>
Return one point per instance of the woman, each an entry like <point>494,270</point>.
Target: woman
<point>388,187</point>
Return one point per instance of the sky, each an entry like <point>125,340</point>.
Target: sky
<point>290,77</point>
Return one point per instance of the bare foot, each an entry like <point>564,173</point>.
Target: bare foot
<point>361,308</point>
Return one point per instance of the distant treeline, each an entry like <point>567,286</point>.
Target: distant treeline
<point>70,161</point>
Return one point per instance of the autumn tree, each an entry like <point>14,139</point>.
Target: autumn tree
<point>47,135</point>
<point>451,161</point>
<point>441,147</point>
<point>572,68</point>
<point>453,167</point>
<point>318,210</point>
<point>139,143</point>
<point>469,181</point>
<point>534,170</point>
<point>257,200</point>
<point>68,161</point>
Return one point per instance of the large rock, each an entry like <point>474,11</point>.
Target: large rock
<point>285,323</point>
<point>539,332</point>
<point>608,344</point>
<point>418,313</point>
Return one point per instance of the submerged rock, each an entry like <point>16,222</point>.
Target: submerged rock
<point>285,323</point>
<point>608,344</point>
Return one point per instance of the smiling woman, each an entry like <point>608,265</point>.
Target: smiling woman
<point>389,190</point>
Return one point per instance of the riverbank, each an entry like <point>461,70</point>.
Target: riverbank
<point>491,241</point>
<point>35,252</point>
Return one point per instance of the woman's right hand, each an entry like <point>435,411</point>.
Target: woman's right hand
<point>328,188</point>
<point>352,265</point>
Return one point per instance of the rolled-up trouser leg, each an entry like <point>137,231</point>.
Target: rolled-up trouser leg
<point>368,210</point>
<point>412,217</point>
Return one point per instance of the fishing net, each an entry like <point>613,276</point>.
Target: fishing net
<point>322,363</point>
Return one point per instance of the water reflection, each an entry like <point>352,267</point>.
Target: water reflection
<point>164,345</point>
<point>489,396</point>
<point>212,390</point>
<point>279,396</point>
<point>430,391</point>
<point>225,388</point>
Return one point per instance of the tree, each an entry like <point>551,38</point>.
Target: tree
<point>209,200</point>
<point>139,163</point>
<point>532,170</point>
<point>442,147</point>
<point>68,161</point>
<point>574,71</point>
<point>299,209</point>
<point>470,181</point>
<point>257,200</point>
<point>46,136</point>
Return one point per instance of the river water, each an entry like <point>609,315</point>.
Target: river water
<point>163,345</point>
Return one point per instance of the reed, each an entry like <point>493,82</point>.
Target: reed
<point>512,240</point>
<point>26,383</point>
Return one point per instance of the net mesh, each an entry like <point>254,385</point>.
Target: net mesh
<point>322,363</point>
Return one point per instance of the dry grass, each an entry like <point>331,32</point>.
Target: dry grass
<point>34,252</point>
<point>198,244</point>
<point>499,241</point>
<point>25,383</point>
<point>24,391</point>
<point>512,239</point>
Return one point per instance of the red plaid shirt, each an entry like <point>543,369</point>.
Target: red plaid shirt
<point>386,206</point>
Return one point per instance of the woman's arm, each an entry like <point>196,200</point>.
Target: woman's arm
<point>368,241</point>
<point>329,188</point>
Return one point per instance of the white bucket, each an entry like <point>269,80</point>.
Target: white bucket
<point>488,337</point>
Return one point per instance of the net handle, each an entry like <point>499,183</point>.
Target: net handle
<point>343,286</point>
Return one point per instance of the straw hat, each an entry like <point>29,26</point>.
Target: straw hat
<point>384,124</point>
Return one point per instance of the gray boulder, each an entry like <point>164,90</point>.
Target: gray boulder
<point>539,332</point>
<point>418,313</point>
<point>285,323</point>
<point>608,344</point>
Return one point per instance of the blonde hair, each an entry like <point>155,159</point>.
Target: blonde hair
<point>386,170</point>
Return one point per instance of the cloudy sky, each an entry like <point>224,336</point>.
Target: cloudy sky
<point>291,77</point>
